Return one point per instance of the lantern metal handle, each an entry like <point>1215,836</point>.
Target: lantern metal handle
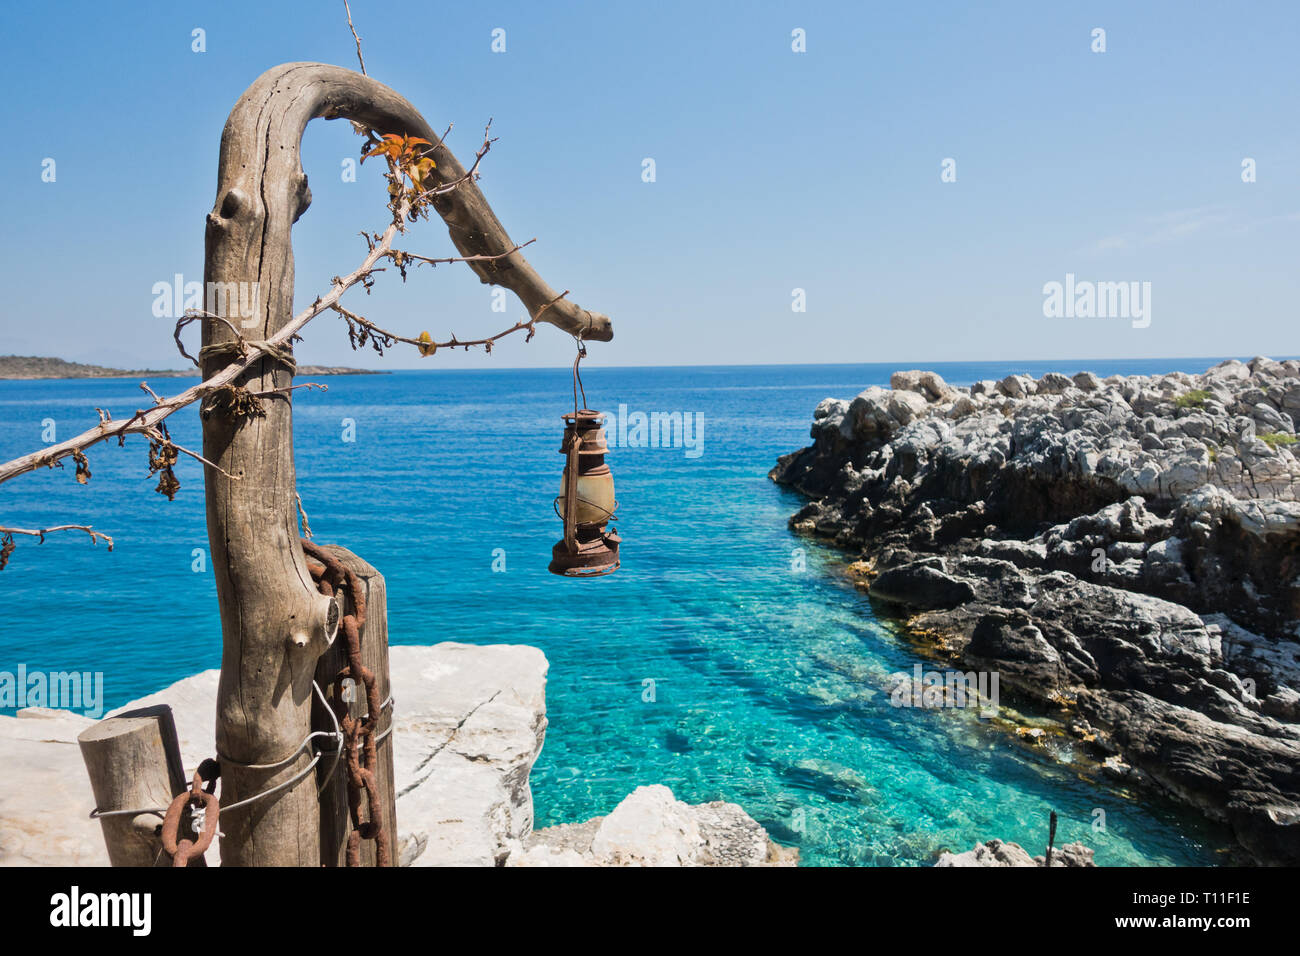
<point>571,494</point>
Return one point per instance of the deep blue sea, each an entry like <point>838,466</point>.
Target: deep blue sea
<point>710,662</point>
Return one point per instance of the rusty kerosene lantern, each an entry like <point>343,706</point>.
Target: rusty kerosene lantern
<point>586,502</point>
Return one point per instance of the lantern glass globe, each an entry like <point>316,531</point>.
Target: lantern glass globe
<point>595,497</point>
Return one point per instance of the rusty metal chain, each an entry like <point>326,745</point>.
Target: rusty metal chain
<point>204,802</point>
<point>359,741</point>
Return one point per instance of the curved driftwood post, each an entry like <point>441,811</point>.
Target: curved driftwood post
<point>275,624</point>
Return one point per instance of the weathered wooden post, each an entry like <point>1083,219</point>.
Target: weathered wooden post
<point>335,819</point>
<point>134,762</point>
<point>275,624</point>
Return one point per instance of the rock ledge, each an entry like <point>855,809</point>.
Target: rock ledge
<point>469,722</point>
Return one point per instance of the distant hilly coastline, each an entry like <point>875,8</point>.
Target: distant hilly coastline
<point>34,367</point>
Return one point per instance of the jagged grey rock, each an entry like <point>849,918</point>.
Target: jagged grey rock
<point>996,853</point>
<point>1130,543</point>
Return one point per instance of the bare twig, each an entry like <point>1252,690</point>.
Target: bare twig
<point>399,256</point>
<point>289,388</point>
<point>471,174</point>
<point>380,338</point>
<point>42,532</point>
<point>360,58</point>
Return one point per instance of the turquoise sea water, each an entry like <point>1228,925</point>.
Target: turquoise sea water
<point>709,662</point>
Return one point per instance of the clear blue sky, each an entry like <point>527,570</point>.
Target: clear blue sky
<point>775,170</point>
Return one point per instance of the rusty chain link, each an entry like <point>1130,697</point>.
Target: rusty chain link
<point>359,743</point>
<point>201,800</point>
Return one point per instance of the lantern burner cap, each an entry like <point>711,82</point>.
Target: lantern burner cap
<point>596,555</point>
<point>587,426</point>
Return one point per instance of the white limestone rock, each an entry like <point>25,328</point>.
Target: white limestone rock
<point>653,828</point>
<point>650,828</point>
<point>470,721</point>
<point>45,795</point>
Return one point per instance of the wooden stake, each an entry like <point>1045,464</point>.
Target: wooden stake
<point>335,819</point>
<point>134,762</point>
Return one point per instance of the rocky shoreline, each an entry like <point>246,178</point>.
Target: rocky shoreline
<point>469,723</point>
<point>1124,552</point>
